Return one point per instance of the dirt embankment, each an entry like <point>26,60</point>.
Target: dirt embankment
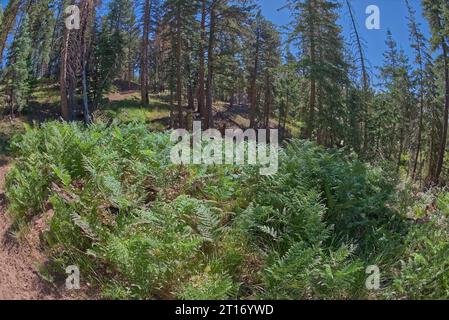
<point>19,279</point>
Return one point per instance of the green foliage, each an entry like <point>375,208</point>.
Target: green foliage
<point>308,272</point>
<point>140,227</point>
<point>208,287</point>
<point>423,270</point>
<point>110,212</point>
<point>117,30</point>
<point>17,73</point>
<point>324,218</point>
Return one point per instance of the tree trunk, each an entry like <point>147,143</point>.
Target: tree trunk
<point>253,85</point>
<point>267,100</point>
<point>420,60</point>
<point>66,108</point>
<point>191,97</point>
<point>144,91</point>
<point>86,112</point>
<point>364,79</point>
<point>130,68</point>
<point>442,151</point>
<point>88,17</point>
<point>178,67</point>
<point>201,72</point>
<point>210,73</point>
<point>312,96</point>
<point>420,128</point>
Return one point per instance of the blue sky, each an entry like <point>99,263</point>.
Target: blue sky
<point>392,14</point>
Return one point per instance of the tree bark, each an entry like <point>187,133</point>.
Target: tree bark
<point>442,150</point>
<point>312,96</point>
<point>253,85</point>
<point>66,109</point>
<point>202,71</point>
<point>210,64</point>
<point>364,78</point>
<point>88,17</point>
<point>420,59</point>
<point>267,100</point>
<point>144,91</point>
<point>178,67</point>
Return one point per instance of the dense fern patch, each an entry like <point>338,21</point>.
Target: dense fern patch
<point>141,227</point>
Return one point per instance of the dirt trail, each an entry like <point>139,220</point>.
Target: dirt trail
<point>18,261</point>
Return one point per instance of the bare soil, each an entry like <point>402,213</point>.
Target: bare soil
<point>19,261</point>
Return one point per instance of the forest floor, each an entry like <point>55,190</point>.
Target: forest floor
<point>19,277</point>
<point>20,259</point>
<point>21,255</point>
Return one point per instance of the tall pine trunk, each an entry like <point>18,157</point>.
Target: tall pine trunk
<point>178,67</point>
<point>210,73</point>
<point>267,100</point>
<point>442,150</point>
<point>201,72</point>
<point>365,118</point>
<point>87,21</point>
<point>66,107</point>
<point>253,85</point>
<point>144,91</point>
<point>313,86</point>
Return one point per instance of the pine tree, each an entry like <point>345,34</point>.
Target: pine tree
<point>315,28</point>
<point>360,120</point>
<point>17,73</point>
<point>421,59</point>
<point>436,12</point>
<point>9,18</point>
<point>132,38</point>
<point>397,114</point>
<point>254,72</point>
<point>201,95</point>
<point>179,18</point>
<point>42,27</point>
<point>230,18</point>
<point>1,23</point>
<point>265,56</point>
<point>112,47</point>
<point>287,91</point>
<point>144,55</point>
<point>76,52</point>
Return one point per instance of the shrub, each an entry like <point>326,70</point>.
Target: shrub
<point>141,227</point>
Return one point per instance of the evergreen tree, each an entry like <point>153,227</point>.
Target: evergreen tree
<point>131,54</point>
<point>111,48</point>
<point>8,21</point>
<point>179,19</point>
<point>437,14</point>
<point>17,73</point>
<point>1,23</point>
<point>144,55</point>
<point>288,94</point>
<point>229,17</point>
<point>397,112</point>
<point>421,59</point>
<point>42,26</point>
<point>315,28</point>
<point>265,56</point>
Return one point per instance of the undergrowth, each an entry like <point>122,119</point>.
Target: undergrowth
<point>140,227</point>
